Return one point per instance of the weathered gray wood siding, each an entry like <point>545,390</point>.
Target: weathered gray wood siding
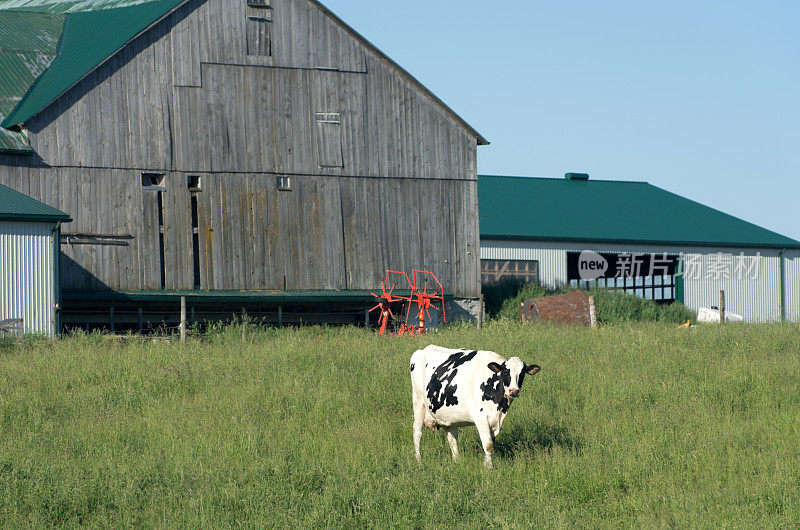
<point>185,99</point>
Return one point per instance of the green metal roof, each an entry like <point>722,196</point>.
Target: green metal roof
<point>14,142</point>
<point>609,211</point>
<point>16,206</point>
<point>28,44</point>
<point>47,47</point>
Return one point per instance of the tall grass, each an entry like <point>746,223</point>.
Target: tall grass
<point>631,424</point>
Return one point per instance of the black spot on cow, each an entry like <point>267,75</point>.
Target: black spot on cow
<point>441,390</point>
<point>494,389</point>
<point>412,367</point>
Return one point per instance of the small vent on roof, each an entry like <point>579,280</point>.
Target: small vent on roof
<point>576,176</point>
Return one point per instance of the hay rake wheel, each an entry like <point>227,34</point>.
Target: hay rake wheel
<point>425,300</point>
<point>386,299</point>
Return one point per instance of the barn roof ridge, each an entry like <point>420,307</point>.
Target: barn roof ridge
<point>609,211</point>
<point>65,6</point>
<point>88,33</point>
<point>559,179</point>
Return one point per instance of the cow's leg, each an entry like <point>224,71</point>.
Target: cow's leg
<point>487,441</point>
<point>452,439</point>
<point>419,416</point>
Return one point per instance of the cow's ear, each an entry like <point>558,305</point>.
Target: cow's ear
<point>496,368</point>
<point>532,369</point>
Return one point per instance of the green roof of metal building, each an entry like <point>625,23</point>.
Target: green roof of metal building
<point>603,211</point>
<point>46,47</point>
<point>16,206</point>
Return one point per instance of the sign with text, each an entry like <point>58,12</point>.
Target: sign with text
<point>590,265</point>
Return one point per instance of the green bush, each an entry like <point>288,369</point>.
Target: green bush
<point>617,307</point>
<point>503,299</point>
<point>496,293</point>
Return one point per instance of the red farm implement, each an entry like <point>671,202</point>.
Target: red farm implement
<point>418,294</point>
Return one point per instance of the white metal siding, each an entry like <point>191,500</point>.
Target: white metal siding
<point>26,274</point>
<point>756,300</point>
<point>552,257</point>
<point>792,272</point>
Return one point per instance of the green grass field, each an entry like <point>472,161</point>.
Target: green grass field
<point>638,424</point>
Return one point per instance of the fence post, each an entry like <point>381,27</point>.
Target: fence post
<point>721,306</point>
<point>480,311</point>
<point>592,313</point>
<point>183,319</point>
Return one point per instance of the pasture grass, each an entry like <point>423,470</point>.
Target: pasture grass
<point>626,425</point>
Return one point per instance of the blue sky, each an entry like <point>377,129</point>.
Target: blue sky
<point>700,98</point>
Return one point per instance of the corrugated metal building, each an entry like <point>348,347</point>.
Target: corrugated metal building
<point>29,250</point>
<point>637,238</point>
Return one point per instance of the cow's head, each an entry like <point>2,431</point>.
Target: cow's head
<point>512,373</point>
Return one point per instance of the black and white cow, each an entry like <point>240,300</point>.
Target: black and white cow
<point>456,388</point>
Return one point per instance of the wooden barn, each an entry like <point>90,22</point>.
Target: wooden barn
<point>255,155</point>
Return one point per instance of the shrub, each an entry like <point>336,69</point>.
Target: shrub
<point>611,306</point>
<point>618,307</point>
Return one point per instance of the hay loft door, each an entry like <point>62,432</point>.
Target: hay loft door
<point>151,254</point>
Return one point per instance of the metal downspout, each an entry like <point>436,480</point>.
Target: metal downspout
<point>679,282</point>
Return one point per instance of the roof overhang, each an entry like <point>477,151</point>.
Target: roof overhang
<point>230,296</point>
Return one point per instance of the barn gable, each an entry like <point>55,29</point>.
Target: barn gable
<point>93,31</point>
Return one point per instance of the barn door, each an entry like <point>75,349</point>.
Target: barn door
<point>193,185</point>
<point>152,247</point>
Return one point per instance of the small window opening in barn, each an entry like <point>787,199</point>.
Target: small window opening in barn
<point>258,28</point>
<point>193,183</point>
<point>283,183</point>
<point>152,180</point>
<point>329,139</point>
<point>495,270</point>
